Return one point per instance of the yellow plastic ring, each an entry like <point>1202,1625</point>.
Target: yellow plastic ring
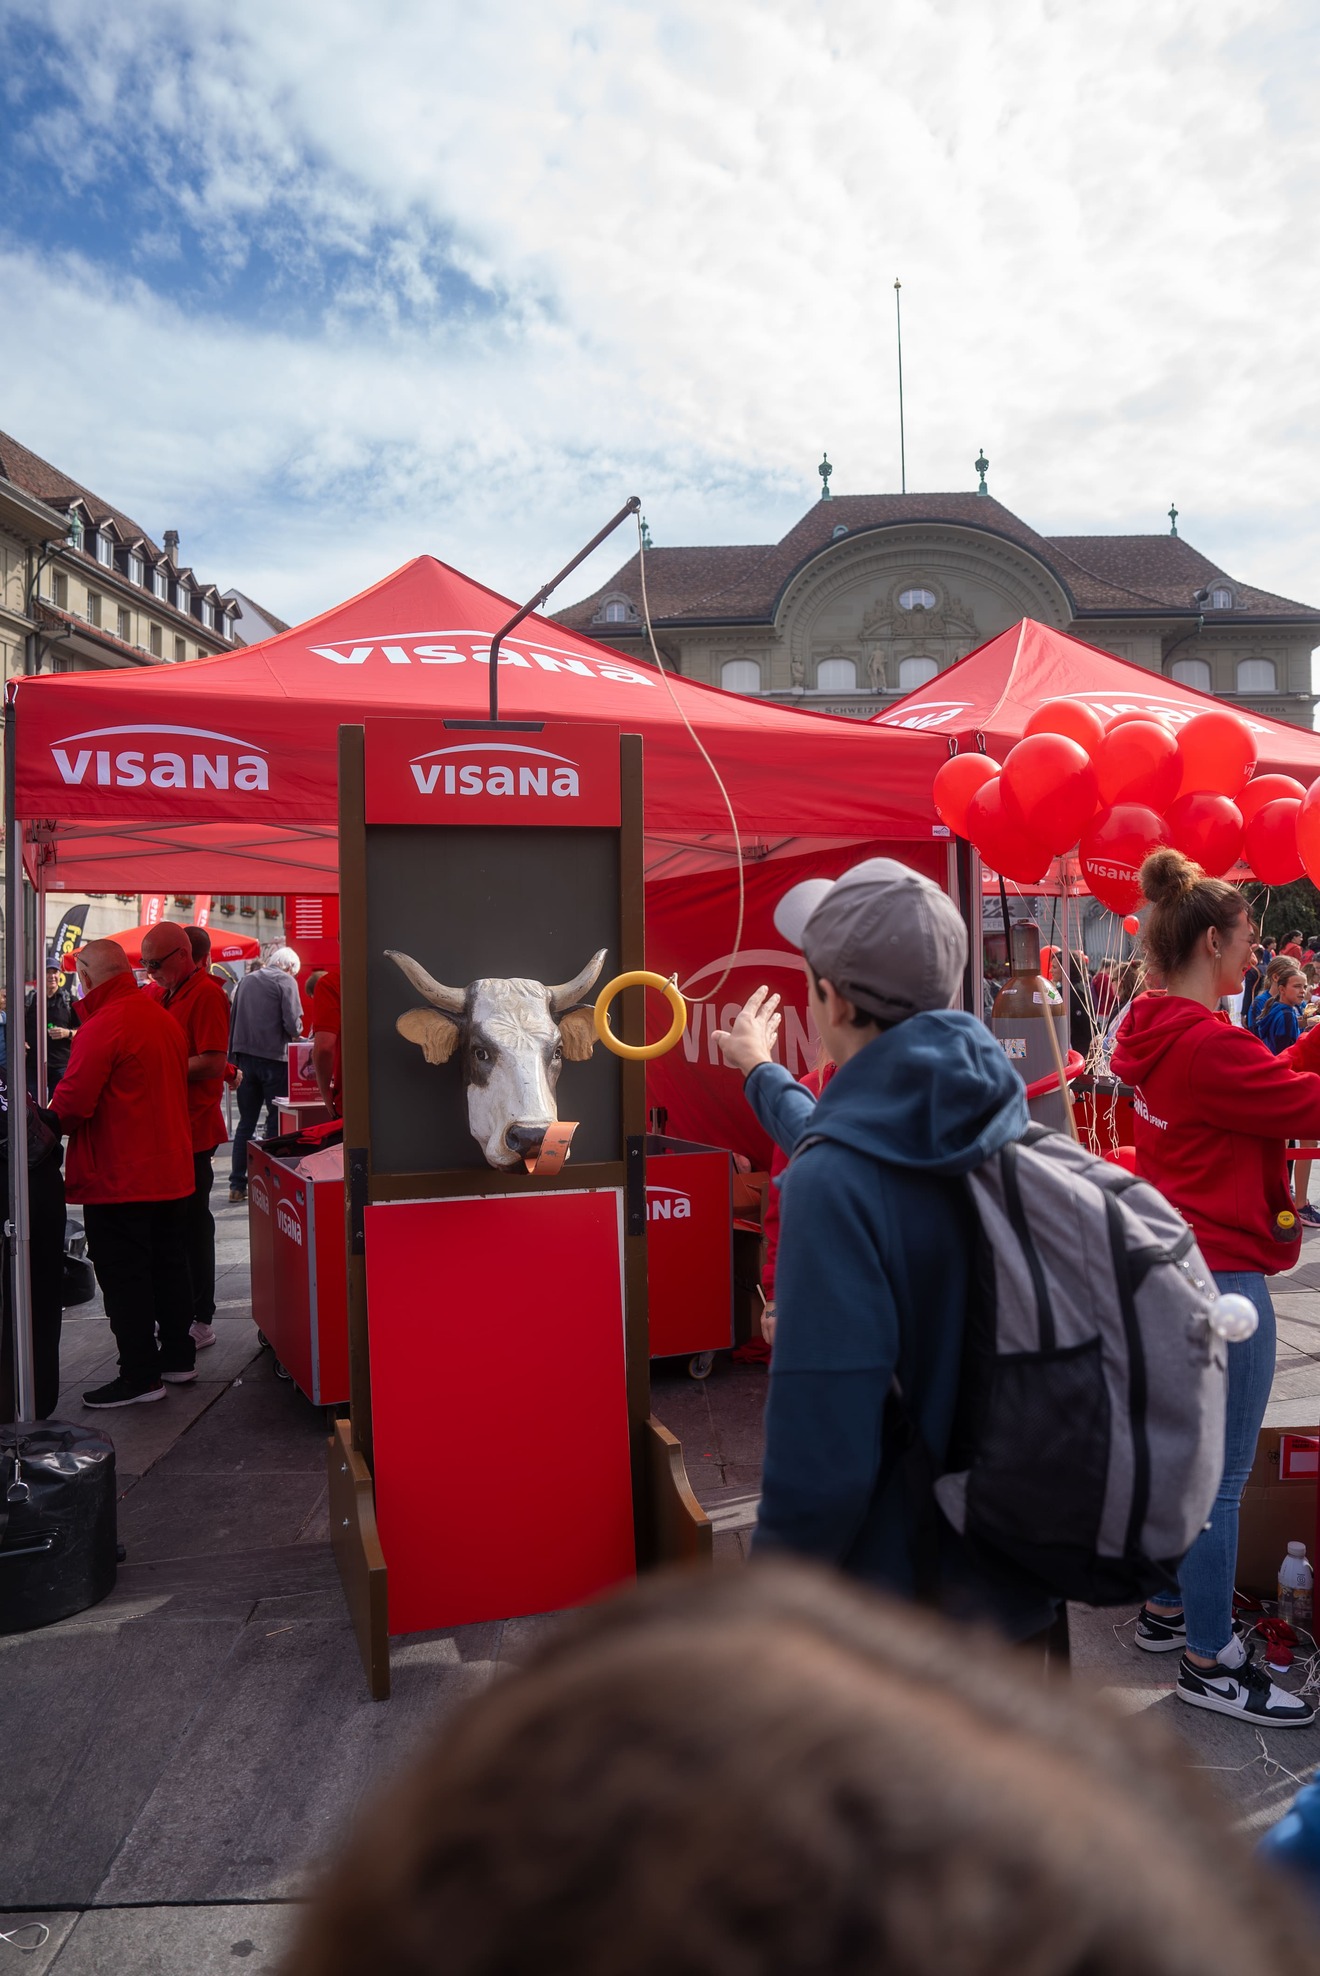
<point>639,978</point>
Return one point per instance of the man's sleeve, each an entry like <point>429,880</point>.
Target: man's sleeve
<point>78,1092</point>
<point>211,1024</point>
<point>782,1107</point>
<point>292,1008</point>
<point>835,1354</point>
<point>325,1006</point>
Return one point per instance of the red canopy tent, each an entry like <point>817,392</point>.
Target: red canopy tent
<point>223,774</point>
<point>224,946</point>
<point>991,692</point>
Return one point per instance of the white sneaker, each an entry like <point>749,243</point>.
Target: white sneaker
<point>1235,1685</point>
<point>202,1335</point>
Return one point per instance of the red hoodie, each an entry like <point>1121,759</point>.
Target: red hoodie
<point>1214,1110</point>
<point>124,1100</point>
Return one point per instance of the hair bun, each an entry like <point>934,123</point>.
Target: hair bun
<point>1167,876</point>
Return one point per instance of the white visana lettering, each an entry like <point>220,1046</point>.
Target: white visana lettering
<point>565,782</point>
<point>396,655</point>
<point>625,676</point>
<point>439,655</point>
<point>499,782</point>
<point>425,778</point>
<point>1143,1110</point>
<point>357,657</point>
<point>170,772</point>
<point>70,771</point>
<point>531,782</point>
<point>469,780</point>
<point>207,771</point>
<point>252,773</point>
<point>561,665</point>
<point>129,772</point>
<point>103,766</point>
<point>506,658</point>
<point>496,779</point>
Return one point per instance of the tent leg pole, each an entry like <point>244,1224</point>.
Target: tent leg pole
<point>20,1280</point>
<point>976,932</point>
<point>39,1037</point>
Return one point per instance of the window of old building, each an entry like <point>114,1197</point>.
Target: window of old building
<point>157,642</point>
<point>615,613</point>
<point>836,676</point>
<point>740,676</point>
<point>180,650</point>
<point>1192,672</point>
<point>105,548</point>
<point>160,585</point>
<point>915,672</point>
<point>94,608</point>
<point>916,600</point>
<point>125,627</point>
<point>1221,598</point>
<point>135,569</point>
<point>1257,676</point>
<point>59,590</point>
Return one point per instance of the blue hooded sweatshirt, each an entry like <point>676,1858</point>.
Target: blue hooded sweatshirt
<point>875,1269</point>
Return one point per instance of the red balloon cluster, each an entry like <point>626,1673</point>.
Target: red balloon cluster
<point>1119,788</point>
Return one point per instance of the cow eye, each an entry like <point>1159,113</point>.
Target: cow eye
<point>482,1056</point>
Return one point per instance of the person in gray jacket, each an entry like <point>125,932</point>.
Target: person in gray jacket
<point>266,1016</point>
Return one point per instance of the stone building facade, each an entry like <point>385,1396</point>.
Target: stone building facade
<point>869,596</point>
<point>83,588</point>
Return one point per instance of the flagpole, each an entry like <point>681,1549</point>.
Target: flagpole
<point>902,442</point>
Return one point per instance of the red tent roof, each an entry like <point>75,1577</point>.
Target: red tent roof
<point>993,690</point>
<point>223,772</point>
<point>224,946</point>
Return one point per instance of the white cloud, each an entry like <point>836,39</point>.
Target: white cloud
<point>686,224</point>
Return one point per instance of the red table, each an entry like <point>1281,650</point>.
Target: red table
<point>299,1303</point>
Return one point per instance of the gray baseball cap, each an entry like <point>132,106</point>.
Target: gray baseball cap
<point>886,937</point>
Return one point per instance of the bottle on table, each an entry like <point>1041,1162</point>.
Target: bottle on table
<point>1295,1583</point>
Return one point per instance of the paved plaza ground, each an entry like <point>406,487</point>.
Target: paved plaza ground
<point>178,1759</point>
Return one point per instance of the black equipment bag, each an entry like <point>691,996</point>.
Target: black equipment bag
<point>79,1277</point>
<point>57,1522</point>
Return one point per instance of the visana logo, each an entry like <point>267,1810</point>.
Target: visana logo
<point>545,775</point>
<point>460,648</point>
<point>181,766</point>
<point>260,1198</point>
<point>288,1223</point>
<point>667,1204</point>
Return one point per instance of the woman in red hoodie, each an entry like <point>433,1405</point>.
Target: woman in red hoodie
<point>1213,1113</point>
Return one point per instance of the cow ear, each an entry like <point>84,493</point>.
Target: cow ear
<point>578,1030</point>
<point>436,1033</point>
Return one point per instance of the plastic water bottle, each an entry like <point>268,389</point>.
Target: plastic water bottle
<point>1295,1580</point>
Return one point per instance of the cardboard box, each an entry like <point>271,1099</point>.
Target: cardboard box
<point>1276,1511</point>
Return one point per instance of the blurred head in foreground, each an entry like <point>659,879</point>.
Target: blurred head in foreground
<point>770,1773</point>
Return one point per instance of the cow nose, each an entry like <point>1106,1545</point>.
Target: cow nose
<point>525,1140</point>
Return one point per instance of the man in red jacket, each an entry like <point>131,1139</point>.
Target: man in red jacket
<point>201,1008</point>
<point>123,1102</point>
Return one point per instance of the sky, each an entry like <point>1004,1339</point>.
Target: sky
<point>326,286</point>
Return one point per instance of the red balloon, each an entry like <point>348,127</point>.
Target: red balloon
<point>1113,849</point>
<point>1308,830</point>
<point>1050,788</point>
<point>1132,924</point>
<point>1218,752</point>
<point>1158,714</point>
<point>1001,840</point>
<point>956,782</point>
<point>1271,841</point>
<point>1207,828</point>
<point>1264,789</point>
<point>1074,718</point>
<point>1139,763</point>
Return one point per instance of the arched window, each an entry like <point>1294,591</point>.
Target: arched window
<point>836,676</point>
<point>616,613</point>
<point>916,600</point>
<point>1221,598</point>
<point>1192,672</point>
<point>915,672</point>
<point>740,676</point>
<point>1257,676</point>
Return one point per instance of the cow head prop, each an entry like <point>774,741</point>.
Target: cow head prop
<point>513,1036</point>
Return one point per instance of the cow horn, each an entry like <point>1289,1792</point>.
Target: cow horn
<point>451,1000</point>
<point>564,997</point>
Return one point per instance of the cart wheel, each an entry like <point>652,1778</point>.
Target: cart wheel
<point>699,1365</point>
<point>280,1372</point>
<point>263,1340</point>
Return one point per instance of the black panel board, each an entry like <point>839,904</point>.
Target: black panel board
<point>477,902</point>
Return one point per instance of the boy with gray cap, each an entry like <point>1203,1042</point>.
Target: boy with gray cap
<point>878,1241</point>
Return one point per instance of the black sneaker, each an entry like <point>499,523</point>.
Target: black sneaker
<point>122,1392</point>
<point>1245,1691</point>
<point>183,1377</point>
<point>1157,1635</point>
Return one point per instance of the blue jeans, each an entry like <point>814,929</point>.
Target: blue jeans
<point>1207,1572</point>
<point>264,1080</point>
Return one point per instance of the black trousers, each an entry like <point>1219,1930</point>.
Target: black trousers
<point>46,1211</point>
<point>139,1251</point>
<point>200,1238</point>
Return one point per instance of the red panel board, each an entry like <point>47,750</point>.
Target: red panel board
<point>299,1298</point>
<point>499,1404</point>
<point>427,772</point>
<point>689,1252</point>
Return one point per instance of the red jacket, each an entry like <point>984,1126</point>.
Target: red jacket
<point>200,1006</point>
<point>124,1100</point>
<point>1213,1111</point>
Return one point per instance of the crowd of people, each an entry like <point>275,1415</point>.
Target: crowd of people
<point>134,1082</point>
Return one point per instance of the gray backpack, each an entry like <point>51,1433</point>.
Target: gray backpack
<point>1089,1438</point>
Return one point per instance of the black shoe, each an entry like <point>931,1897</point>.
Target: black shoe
<point>184,1376</point>
<point>1244,1691</point>
<point>1158,1635</point>
<point>122,1392</point>
<point>237,1195</point>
